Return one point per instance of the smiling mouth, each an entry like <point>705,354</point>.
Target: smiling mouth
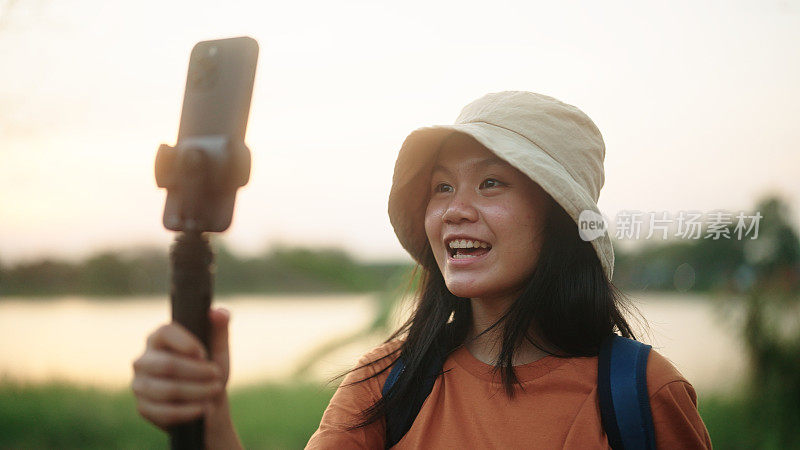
<point>466,249</point>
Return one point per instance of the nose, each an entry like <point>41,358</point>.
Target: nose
<point>460,209</point>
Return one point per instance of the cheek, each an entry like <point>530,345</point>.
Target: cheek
<point>504,219</point>
<point>433,224</point>
<point>433,231</point>
<point>518,226</point>
<point>528,232</point>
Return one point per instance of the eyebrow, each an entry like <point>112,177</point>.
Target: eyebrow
<point>486,162</point>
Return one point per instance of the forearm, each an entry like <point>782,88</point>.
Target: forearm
<point>219,428</point>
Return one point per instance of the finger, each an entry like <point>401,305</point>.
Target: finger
<point>167,414</point>
<point>160,363</point>
<point>175,337</point>
<point>220,350</point>
<point>167,390</point>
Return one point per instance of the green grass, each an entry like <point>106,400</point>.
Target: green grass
<point>69,417</point>
<point>63,416</point>
<point>735,423</point>
<point>267,416</point>
<point>275,416</point>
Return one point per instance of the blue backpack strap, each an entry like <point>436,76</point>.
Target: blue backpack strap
<point>622,392</point>
<point>399,420</point>
<point>394,374</point>
<point>394,418</point>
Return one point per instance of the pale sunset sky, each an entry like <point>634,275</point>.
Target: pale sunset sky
<point>698,103</point>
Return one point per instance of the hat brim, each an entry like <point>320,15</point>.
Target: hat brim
<point>409,193</point>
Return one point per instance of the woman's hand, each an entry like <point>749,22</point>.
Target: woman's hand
<point>174,382</point>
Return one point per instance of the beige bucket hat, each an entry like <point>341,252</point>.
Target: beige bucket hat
<point>553,143</point>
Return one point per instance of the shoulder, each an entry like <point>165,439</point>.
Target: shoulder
<point>386,351</point>
<point>661,372</point>
<point>374,365</point>
<point>360,390</point>
<point>673,403</point>
<point>379,358</point>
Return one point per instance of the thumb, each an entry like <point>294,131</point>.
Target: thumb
<point>220,350</point>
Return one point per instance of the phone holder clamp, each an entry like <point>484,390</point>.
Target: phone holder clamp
<point>201,175</point>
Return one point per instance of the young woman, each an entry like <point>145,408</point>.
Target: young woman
<point>513,305</point>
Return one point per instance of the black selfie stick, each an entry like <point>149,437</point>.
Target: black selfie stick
<point>201,174</point>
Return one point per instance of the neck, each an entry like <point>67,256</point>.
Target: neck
<point>486,347</point>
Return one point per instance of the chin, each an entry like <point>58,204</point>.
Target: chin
<point>465,286</point>
<point>466,289</point>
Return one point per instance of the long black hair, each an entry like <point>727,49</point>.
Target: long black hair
<point>567,308</point>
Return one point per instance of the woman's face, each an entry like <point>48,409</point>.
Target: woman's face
<point>476,196</point>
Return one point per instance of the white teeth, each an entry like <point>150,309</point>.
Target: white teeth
<point>463,243</point>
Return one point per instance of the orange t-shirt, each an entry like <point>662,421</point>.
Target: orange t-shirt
<point>468,407</point>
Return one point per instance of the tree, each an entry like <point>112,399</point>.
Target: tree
<point>771,326</point>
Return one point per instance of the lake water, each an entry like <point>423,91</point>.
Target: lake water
<point>94,342</point>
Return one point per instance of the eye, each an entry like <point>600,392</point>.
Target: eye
<point>490,183</point>
<point>443,187</point>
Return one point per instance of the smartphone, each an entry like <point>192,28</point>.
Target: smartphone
<point>219,86</point>
<point>216,106</point>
